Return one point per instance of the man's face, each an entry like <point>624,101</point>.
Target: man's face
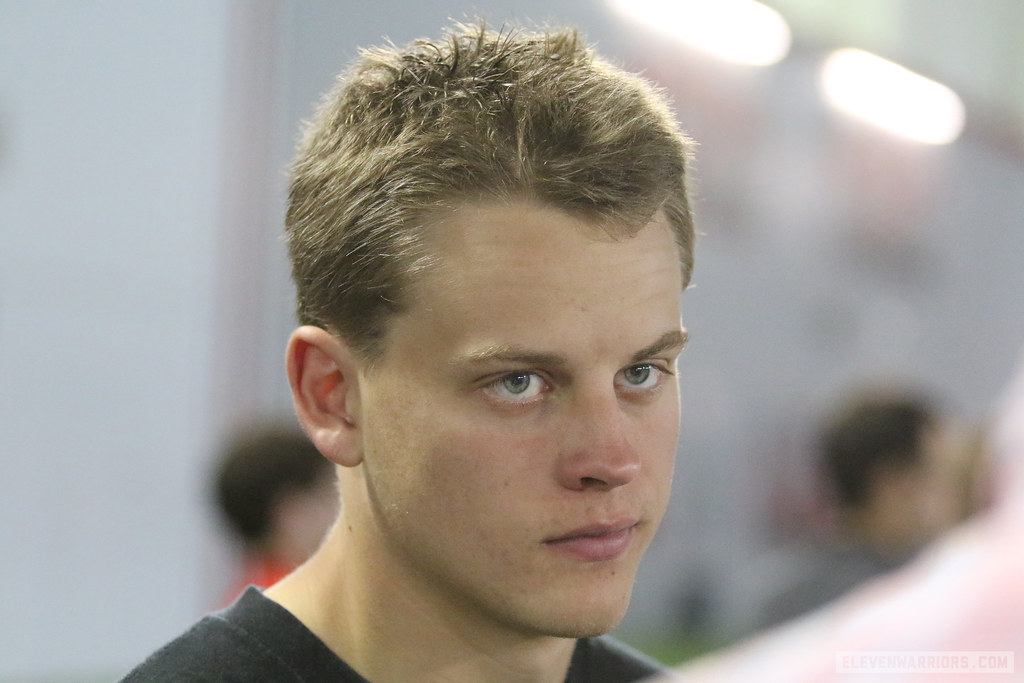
<point>520,431</point>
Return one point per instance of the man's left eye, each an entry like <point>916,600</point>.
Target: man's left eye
<point>637,374</point>
<point>642,376</point>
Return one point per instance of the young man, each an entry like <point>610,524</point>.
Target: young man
<point>490,237</point>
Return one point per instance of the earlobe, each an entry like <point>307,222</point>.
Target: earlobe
<point>325,390</point>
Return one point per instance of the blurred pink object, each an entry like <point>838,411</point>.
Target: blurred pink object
<point>964,594</point>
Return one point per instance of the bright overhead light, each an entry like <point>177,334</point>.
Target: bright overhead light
<point>741,31</point>
<point>892,97</point>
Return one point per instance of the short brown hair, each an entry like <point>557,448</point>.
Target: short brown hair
<point>409,133</point>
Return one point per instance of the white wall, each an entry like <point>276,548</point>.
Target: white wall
<point>111,167</point>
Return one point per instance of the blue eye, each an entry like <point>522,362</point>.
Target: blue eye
<point>516,387</point>
<point>516,383</point>
<point>640,377</point>
<point>637,374</point>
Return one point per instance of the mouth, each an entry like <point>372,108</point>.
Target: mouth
<point>595,543</point>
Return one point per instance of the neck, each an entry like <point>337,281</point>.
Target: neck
<point>351,597</point>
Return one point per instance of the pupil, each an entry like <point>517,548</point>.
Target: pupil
<point>517,384</point>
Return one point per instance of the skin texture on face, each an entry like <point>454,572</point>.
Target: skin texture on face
<point>520,432</point>
<point>507,459</point>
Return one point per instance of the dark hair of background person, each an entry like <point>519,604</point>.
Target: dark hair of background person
<point>257,467</point>
<point>871,433</point>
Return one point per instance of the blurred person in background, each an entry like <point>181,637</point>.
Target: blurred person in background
<point>972,470</point>
<point>885,460</point>
<point>279,497</point>
<point>960,601</point>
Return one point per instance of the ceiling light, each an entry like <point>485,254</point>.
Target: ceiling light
<point>741,31</point>
<point>892,97</point>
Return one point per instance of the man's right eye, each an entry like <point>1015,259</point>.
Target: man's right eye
<point>516,387</point>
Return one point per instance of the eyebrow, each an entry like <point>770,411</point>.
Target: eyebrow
<point>675,339</point>
<point>515,354</point>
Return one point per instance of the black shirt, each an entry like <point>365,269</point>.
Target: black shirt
<point>255,640</point>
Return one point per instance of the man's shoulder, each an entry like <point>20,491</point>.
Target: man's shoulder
<point>211,650</point>
<point>256,640</point>
<point>253,640</point>
<point>607,660</point>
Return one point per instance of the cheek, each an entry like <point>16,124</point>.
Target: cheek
<point>457,469</point>
<point>660,443</point>
<point>482,462</point>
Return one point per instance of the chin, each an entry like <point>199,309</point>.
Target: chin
<point>586,625</point>
<point>583,618</point>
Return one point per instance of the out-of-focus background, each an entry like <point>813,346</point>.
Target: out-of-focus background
<point>145,298</point>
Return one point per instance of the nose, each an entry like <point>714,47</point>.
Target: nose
<point>597,452</point>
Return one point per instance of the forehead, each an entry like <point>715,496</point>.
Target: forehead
<point>524,236</point>
<point>532,272</point>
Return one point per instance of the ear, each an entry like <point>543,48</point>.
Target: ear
<point>325,390</point>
